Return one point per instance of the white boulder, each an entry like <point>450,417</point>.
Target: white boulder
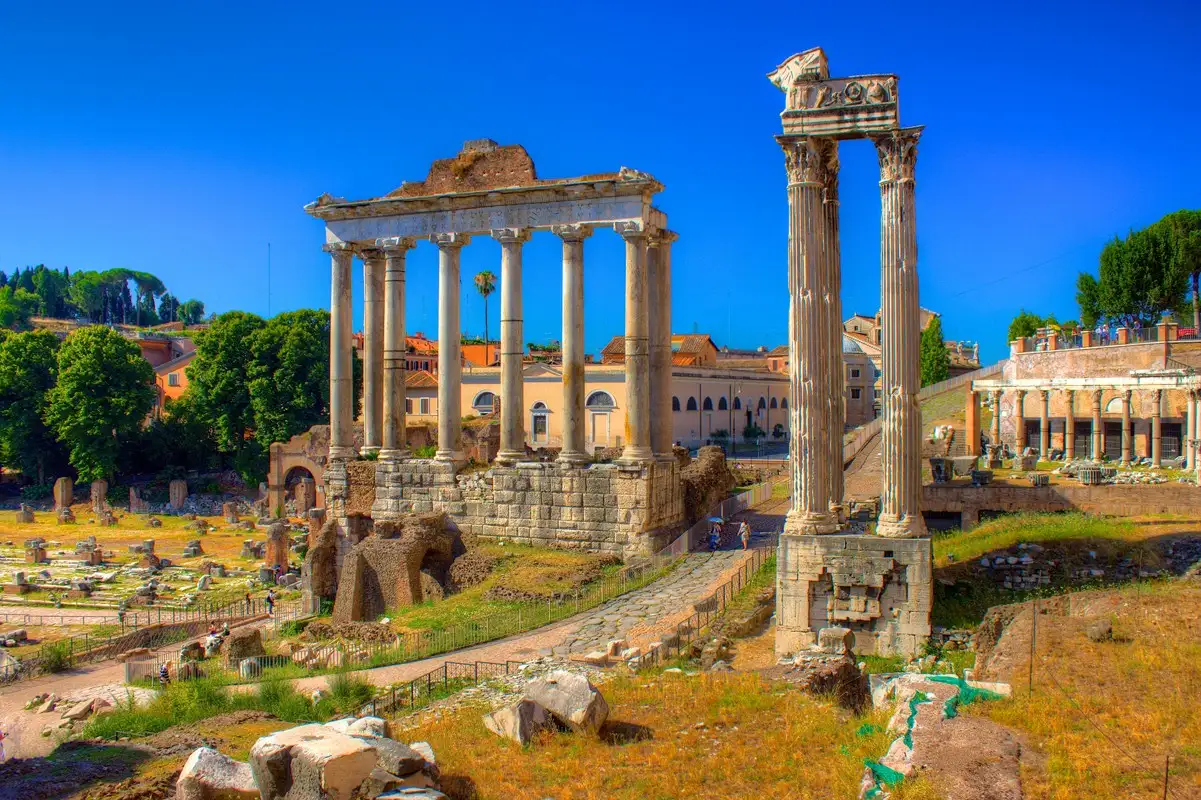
<point>209,775</point>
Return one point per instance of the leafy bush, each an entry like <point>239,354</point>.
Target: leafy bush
<point>294,627</point>
<point>36,491</point>
<point>347,694</point>
<point>56,657</point>
<point>117,495</point>
<point>425,452</point>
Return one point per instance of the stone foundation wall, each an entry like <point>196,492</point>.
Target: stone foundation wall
<point>1165,498</point>
<point>881,589</point>
<point>602,507</point>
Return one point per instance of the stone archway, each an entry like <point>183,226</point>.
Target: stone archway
<point>303,456</point>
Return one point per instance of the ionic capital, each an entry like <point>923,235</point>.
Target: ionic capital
<point>511,235</point>
<point>370,255</point>
<point>574,232</point>
<point>897,151</point>
<point>450,241</point>
<point>338,247</point>
<point>396,244</point>
<point>634,230</point>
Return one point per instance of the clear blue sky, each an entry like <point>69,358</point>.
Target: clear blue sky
<point>182,138</point>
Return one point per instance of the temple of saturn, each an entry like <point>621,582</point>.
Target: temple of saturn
<point>631,506</point>
<point>879,586</point>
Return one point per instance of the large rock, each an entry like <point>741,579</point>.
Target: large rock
<point>311,762</point>
<point>209,775</point>
<point>275,553</point>
<point>244,643</point>
<point>570,699</point>
<point>519,722</point>
<point>706,481</point>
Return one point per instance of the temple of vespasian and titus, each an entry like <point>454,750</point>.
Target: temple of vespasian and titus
<point>878,585</point>
<point>632,506</point>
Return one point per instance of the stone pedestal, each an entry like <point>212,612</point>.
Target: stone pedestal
<point>881,589</point>
<point>99,495</point>
<point>64,493</point>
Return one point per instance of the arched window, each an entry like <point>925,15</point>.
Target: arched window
<point>707,405</point>
<point>600,401</point>
<point>675,404</point>
<point>484,402</point>
<point>539,406</point>
<point>722,405</point>
<point>762,403</point>
<point>774,403</point>
<point>784,403</point>
<point>539,426</point>
<point>692,404</point>
<point>737,403</point>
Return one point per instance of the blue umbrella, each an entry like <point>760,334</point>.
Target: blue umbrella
<point>716,519</point>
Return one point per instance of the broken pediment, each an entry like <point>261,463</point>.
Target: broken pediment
<point>810,65</point>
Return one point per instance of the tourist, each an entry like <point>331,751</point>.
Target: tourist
<point>271,602</point>
<point>249,604</point>
<point>225,630</point>
<point>164,677</point>
<point>744,533</point>
<point>714,536</point>
<point>1,746</point>
<point>212,629</point>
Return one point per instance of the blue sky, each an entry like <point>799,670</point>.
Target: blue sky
<point>181,139</point>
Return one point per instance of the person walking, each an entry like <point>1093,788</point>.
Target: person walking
<point>714,536</point>
<point>164,676</point>
<point>271,603</point>
<point>744,533</point>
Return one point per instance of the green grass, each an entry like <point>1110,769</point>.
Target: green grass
<point>1004,532</point>
<point>875,665</point>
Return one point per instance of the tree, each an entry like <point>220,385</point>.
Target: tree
<point>935,360</point>
<point>102,396</point>
<point>168,308</point>
<point>16,307</point>
<point>1185,228</point>
<point>218,378</point>
<point>191,312</point>
<point>289,374</point>
<point>1139,278</point>
<point>28,367</point>
<point>1025,324</point>
<point>485,284</point>
<point>1088,297</point>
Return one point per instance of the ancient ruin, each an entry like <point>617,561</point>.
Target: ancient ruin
<point>877,586</point>
<point>634,505</point>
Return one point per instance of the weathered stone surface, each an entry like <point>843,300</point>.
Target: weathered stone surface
<point>1099,631</point>
<point>177,494</point>
<point>99,495</point>
<point>64,493</point>
<point>244,643</point>
<point>25,514</point>
<point>705,482</point>
<point>275,553</point>
<point>836,676</point>
<point>520,721</point>
<point>570,699</point>
<point>210,775</point>
<point>398,758</point>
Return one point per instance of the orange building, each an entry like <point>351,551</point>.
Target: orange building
<point>170,380</point>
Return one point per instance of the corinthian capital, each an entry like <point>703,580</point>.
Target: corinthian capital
<point>450,240</point>
<point>511,235</point>
<point>574,232</point>
<point>898,154</point>
<point>338,247</point>
<point>807,159</point>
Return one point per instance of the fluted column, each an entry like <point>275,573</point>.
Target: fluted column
<point>1190,430</point>
<point>395,441</point>
<point>1069,428</point>
<point>573,237</point>
<point>637,357</point>
<point>450,348</point>
<point>373,350</point>
<point>1044,426</point>
<point>1127,429</point>
<point>512,346</point>
<point>832,264</point>
<point>1156,428</point>
<point>1098,428</point>
<point>658,283</point>
<point>900,499</point>
<point>809,367</point>
<point>1019,435</point>
<point>996,417</point>
<point>341,353</point>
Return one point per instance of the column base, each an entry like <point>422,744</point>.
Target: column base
<point>393,455</point>
<point>510,457</point>
<point>635,455</point>
<point>342,453</point>
<point>910,526</point>
<point>451,456</point>
<point>369,450</point>
<point>573,458</point>
<point>839,512</point>
<point>798,523</point>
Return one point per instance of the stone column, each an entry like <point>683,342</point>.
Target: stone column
<point>341,354</point>
<point>1044,426</point>
<point>450,344</point>
<point>971,422</point>
<point>373,350</point>
<point>996,417</point>
<point>658,281</point>
<point>1098,427</point>
<point>1127,429</point>
<point>573,237</point>
<point>1019,436</point>
<point>1190,430</point>
<point>806,159</point>
<point>1156,428</point>
<point>832,262</point>
<point>395,441</point>
<point>1069,428</point>
<point>901,434</point>
<point>637,357</point>
<point>512,346</point>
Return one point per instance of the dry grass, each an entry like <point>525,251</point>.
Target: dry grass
<point>713,735</point>
<point>1105,714</point>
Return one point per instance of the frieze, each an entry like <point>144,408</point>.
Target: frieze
<point>865,90</point>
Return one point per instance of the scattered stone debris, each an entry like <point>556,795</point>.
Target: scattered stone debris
<point>827,668</point>
<point>560,699</point>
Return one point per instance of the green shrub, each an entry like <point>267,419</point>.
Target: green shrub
<point>280,698</point>
<point>347,694</point>
<point>36,491</point>
<point>294,627</point>
<point>425,452</point>
<point>56,657</point>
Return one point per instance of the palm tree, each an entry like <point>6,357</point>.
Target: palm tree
<point>485,284</point>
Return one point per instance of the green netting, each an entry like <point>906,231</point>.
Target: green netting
<point>915,701</point>
<point>885,775</point>
<point>868,729</point>
<point>965,696</point>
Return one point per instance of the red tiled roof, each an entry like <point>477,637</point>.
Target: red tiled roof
<point>421,379</point>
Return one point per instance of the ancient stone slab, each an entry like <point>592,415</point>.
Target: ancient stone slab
<point>64,493</point>
<point>571,699</point>
<point>520,721</point>
<point>99,496</point>
<point>210,775</point>
<point>177,494</point>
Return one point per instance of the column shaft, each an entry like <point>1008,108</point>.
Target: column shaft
<point>996,417</point>
<point>1127,429</point>
<point>341,354</point>
<point>900,499</point>
<point>832,263</point>
<point>658,280</point>
<point>373,350</point>
<point>450,344</point>
<point>809,373</point>
<point>1019,413</point>
<point>573,343</point>
<point>1190,430</point>
<point>1098,427</point>
<point>637,346</point>
<point>512,346</point>
<point>1069,428</point>
<point>1044,426</point>
<point>1157,428</point>
<point>395,441</point>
